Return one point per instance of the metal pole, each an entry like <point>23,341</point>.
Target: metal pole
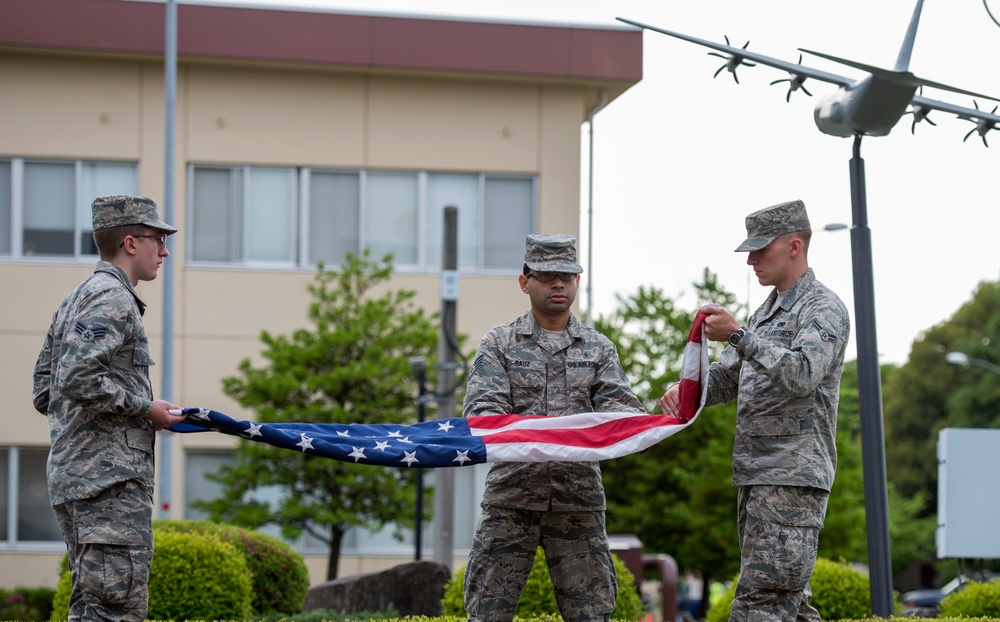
<point>870,394</point>
<point>421,414</point>
<point>444,494</point>
<point>588,314</point>
<point>167,390</point>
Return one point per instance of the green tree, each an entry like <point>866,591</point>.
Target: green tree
<point>677,497</point>
<point>844,533</point>
<point>350,367</point>
<point>928,394</point>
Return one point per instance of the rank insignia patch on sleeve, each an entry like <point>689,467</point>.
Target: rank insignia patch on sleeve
<point>87,334</point>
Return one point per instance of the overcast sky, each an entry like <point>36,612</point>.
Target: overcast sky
<point>680,158</point>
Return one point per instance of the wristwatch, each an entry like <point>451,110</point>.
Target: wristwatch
<point>735,336</point>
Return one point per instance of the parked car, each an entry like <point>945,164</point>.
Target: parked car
<point>924,603</point>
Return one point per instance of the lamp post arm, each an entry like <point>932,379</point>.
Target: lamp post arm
<point>993,367</point>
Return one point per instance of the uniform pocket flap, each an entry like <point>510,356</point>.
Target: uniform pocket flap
<point>771,425</point>
<point>141,440</point>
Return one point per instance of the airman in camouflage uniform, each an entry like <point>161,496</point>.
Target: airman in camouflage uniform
<point>92,382</point>
<point>784,371</point>
<point>544,363</point>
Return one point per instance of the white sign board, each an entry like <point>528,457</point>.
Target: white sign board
<point>968,493</point>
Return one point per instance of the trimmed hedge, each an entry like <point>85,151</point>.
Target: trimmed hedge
<point>975,599</point>
<point>198,576</point>
<point>280,577</point>
<point>194,576</point>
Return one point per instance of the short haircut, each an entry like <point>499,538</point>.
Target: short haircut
<point>109,241</point>
<point>805,235</point>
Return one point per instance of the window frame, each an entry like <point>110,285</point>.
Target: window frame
<point>301,183</point>
<point>12,543</point>
<point>80,205</point>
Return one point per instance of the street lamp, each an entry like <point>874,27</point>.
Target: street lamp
<point>419,367</point>
<point>961,358</point>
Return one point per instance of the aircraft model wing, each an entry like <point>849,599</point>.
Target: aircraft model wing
<point>902,77</point>
<point>797,69</point>
<point>984,121</point>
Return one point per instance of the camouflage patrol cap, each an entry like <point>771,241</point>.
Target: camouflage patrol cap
<point>764,226</point>
<point>121,210</point>
<point>551,253</point>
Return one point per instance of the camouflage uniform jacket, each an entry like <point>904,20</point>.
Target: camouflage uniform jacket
<point>785,376</point>
<point>519,370</point>
<point>92,381</point>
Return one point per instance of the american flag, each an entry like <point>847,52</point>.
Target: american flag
<point>460,441</point>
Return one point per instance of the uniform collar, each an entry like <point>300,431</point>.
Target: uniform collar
<point>118,273</point>
<point>526,325</point>
<point>788,299</point>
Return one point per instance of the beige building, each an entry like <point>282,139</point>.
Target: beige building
<point>299,135</point>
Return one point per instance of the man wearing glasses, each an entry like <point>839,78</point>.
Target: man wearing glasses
<point>92,382</point>
<point>544,363</point>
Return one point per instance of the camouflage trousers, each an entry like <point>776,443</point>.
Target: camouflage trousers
<point>779,534</point>
<point>109,539</point>
<point>576,549</point>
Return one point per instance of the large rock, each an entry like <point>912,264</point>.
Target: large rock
<point>413,589</point>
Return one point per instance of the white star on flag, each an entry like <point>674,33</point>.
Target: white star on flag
<point>254,430</point>
<point>445,426</point>
<point>462,457</point>
<point>358,453</point>
<point>343,433</point>
<point>305,443</point>
<point>409,458</point>
<point>381,445</point>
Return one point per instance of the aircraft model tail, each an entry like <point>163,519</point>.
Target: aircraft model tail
<point>903,60</point>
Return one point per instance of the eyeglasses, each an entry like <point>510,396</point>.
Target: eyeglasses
<point>160,238</point>
<point>548,277</point>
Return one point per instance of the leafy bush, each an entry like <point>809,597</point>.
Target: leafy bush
<point>973,600</point>
<point>839,593</point>
<point>280,577</point>
<point>198,576</point>
<point>193,576</point>
<point>719,611</point>
<point>538,598</point>
<point>24,603</point>
<point>60,601</point>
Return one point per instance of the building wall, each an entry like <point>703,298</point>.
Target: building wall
<point>70,106</point>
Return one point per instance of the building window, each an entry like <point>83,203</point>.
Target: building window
<point>25,512</point>
<point>196,486</point>
<point>283,217</point>
<point>45,204</point>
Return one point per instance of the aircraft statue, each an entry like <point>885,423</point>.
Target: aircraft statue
<point>870,106</point>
